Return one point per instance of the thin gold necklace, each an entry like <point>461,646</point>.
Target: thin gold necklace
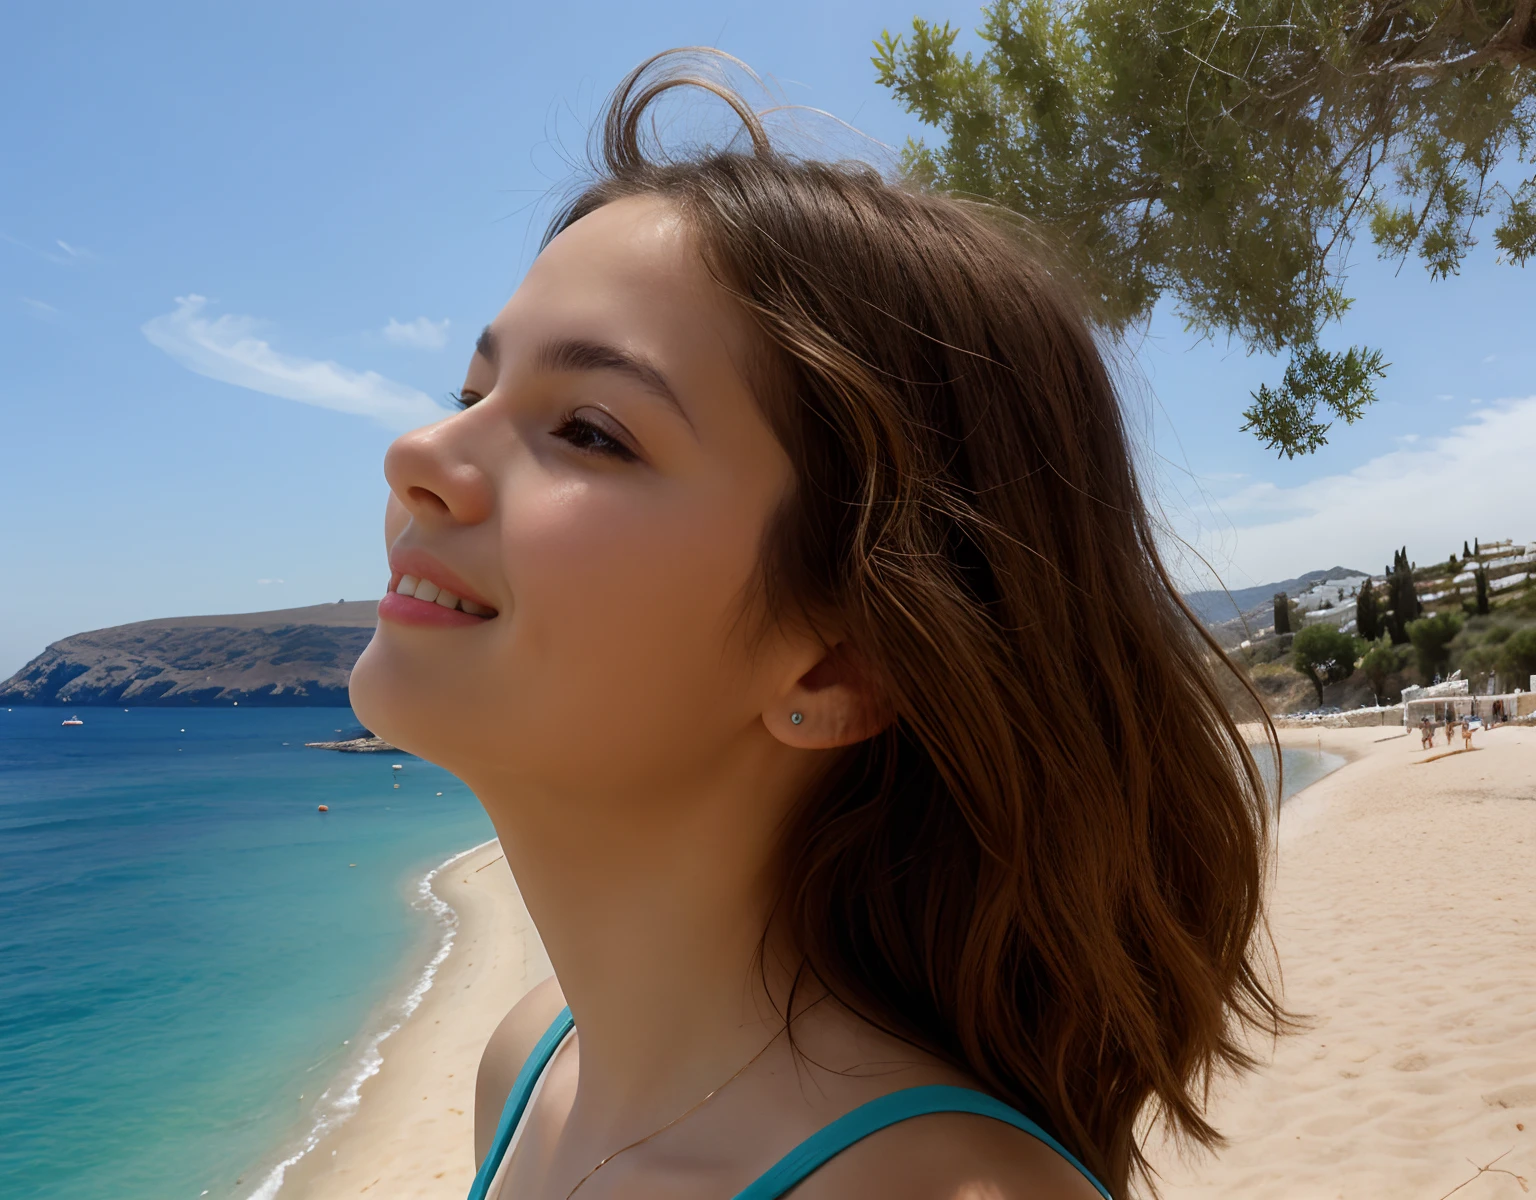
<point>741,1070</point>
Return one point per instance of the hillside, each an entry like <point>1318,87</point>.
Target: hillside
<point>1216,607</point>
<point>294,656</point>
<point>1487,641</point>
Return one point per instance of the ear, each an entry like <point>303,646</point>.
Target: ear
<point>838,703</point>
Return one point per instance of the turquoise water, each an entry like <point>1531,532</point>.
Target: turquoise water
<point>1298,768</point>
<point>185,948</point>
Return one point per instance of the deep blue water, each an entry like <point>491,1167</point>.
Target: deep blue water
<point>185,947</point>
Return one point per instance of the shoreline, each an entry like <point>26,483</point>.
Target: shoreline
<point>332,1110</point>
<point>405,1104</point>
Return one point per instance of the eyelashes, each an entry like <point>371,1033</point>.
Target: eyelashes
<point>582,434</point>
<point>591,438</point>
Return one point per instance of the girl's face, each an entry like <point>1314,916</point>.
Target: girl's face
<point>600,504</point>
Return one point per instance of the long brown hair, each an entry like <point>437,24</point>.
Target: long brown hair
<point>1048,869</point>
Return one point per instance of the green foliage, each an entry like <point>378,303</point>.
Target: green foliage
<point>1402,597</point>
<point>1379,663</point>
<point>1226,155</point>
<point>1282,613</point>
<point>1285,418</point>
<point>1431,638</point>
<point>1517,658</point>
<point>1477,663</point>
<point>1324,655</point>
<point>1367,614</point>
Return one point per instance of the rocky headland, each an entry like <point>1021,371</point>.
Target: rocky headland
<point>291,657</point>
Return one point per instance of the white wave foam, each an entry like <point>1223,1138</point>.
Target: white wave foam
<point>333,1111</point>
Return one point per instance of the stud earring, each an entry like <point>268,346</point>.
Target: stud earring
<point>796,718</point>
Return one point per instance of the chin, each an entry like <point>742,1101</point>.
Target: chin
<point>395,707</point>
<point>425,704</point>
<point>368,691</point>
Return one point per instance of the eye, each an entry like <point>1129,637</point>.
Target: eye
<point>465,398</point>
<point>591,438</point>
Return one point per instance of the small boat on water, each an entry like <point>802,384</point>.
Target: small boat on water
<point>72,721</point>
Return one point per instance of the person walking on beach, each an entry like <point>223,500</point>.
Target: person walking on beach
<point>1466,734</point>
<point>1426,733</point>
<point>785,502</point>
<point>1450,724</point>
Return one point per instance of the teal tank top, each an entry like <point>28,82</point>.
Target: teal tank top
<point>814,1152</point>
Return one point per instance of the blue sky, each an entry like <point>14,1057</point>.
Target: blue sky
<point>324,203</point>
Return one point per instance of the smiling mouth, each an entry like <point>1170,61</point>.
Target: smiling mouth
<point>431,593</point>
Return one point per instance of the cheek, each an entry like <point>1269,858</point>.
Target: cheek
<point>624,607</point>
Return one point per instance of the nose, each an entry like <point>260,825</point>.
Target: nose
<point>434,474</point>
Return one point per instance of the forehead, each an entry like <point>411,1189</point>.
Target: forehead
<point>630,275</point>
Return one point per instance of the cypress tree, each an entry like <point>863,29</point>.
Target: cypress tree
<point>1403,596</point>
<point>1282,613</point>
<point>1465,553</point>
<point>1367,616</point>
<point>1482,590</point>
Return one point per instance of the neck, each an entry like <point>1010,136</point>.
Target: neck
<point>652,906</point>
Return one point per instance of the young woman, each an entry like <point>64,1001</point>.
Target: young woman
<point>786,506</point>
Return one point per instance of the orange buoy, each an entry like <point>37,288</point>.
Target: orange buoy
<point>325,808</point>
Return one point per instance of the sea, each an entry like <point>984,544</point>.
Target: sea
<point>196,965</point>
<point>199,969</point>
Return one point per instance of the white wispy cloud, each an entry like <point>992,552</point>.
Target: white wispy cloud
<point>71,255</point>
<point>40,305</point>
<point>266,581</point>
<point>1429,494</point>
<point>422,333</point>
<point>228,349</point>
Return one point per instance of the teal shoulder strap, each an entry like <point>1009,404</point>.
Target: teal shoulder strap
<point>879,1114</point>
<point>517,1099</point>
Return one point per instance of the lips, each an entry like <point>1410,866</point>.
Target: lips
<point>423,591</point>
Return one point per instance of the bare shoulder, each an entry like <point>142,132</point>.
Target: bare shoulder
<point>504,1055</point>
<point>949,1156</point>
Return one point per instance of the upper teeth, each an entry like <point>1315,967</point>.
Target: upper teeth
<point>425,589</point>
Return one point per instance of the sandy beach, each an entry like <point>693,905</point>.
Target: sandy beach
<point>1402,910</point>
<point>412,1137</point>
<point>1403,914</point>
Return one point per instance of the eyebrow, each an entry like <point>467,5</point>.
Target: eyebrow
<point>580,354</point>
<point>485,346</point>
<point>577,354</point>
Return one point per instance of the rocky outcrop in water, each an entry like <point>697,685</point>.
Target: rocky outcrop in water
<point>295,656</point>
<point>358,745</point>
